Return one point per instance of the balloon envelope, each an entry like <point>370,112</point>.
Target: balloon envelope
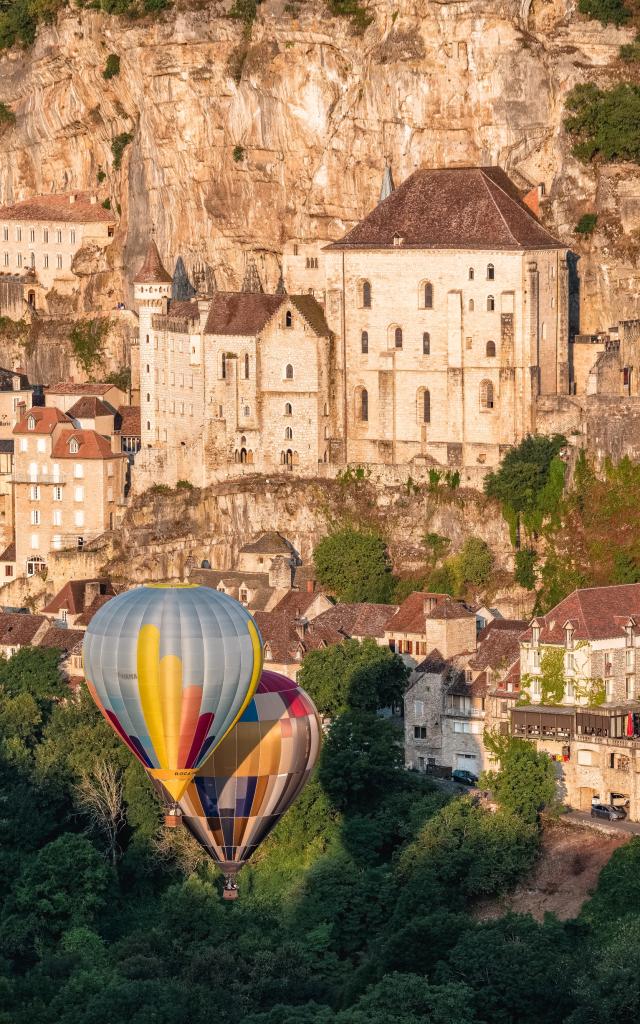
<point>172,668</point>
<point>253,776</point>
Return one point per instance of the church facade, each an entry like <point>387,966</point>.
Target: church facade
<point>423,337</point>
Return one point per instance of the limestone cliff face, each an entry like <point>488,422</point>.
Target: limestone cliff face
<point>310,110</point>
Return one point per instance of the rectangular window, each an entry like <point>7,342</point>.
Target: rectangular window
<point>78,470</point>
<point>73,236</point>
<point>19,259</point>
<point>110,490</point>
<point>35,493</point>
<point>24,444</point>
<point>35,541</point>
<point>56,542</point>
<point>32,235</point>
<point>535,659</point>
<point>585,757</point>
<point>110,469</point>
<point>630,687</point>
<point>418,708</point>
<point>57,493</point>
<point>35,517</point>
<point>78,493</point>
<point>420,732</point>
<point>6,259</point>
<point>462,726</point>
<point>8,570</point>
<point>18,234</point>
<point>5,234</point>
<point>56,518</point>
<point>42,445</point>
<point>608,689</point>
<point>630,654</point>
<point>45,262</point>
<point>535,687</point>
<point>59,262</point>
<point>59,236</point>
<point>78,517</point>
<point>45,235</point>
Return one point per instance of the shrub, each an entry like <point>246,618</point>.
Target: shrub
<point>630,52</point>
<point>7,116</point>
<point>605,122</point>
<point>159,489</point>
<point>184,485</point>
<point>118,146</point>
<point>586,224</point>
<point>609,12</point>
<point>120,378</point>
<point>238,154</point>
<point>525,783</point>
<point>525,568</point>
<point>101,175</point>
<point>106,203</point>
<point>354,565</point>
<point>360,19</point>
<point>87,341</point>
<point>112,67</point>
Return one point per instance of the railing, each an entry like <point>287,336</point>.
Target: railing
<point>38,480</point>
<point>452,712</point>
<point>615,741</point>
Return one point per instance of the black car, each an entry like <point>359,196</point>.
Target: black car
<point>608,811</point>
<point>465,777</point>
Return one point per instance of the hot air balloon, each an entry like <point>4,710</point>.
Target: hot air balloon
<point>172,668</point>
<point>254,775</point>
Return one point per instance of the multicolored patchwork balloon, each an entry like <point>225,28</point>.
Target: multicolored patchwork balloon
<point>172,668</point>
<point>254,775</point>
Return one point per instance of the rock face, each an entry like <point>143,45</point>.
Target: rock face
<point>239,145</point>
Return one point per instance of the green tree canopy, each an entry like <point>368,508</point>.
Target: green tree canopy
<point>525,783</point>
<point>354,566</point>
<point>353,674</point>
<point>361,760</point>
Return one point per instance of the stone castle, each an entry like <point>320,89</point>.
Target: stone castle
<point>423,337</point>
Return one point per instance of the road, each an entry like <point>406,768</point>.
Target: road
<point>584,819</point>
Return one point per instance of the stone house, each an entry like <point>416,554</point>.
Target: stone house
<point>77,602</point>
<point>68,486</point>
<point>66,394</point>
<point>41,240</point>
<point>425,622</point>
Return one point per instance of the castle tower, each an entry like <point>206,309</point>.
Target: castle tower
<point>152,289</point>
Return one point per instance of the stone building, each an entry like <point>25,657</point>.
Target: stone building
<point>424,335</point>
<point>41,240</point>
<point>449,310</point>
<point>425,622</point>
<point>68,486</point>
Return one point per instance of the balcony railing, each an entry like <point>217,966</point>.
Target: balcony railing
<point>37,481</point>
<point>453,712</point>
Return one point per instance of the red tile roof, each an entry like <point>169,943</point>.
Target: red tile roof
<point>60,209</point>
<point>285,644</point>
<point>17,629</point>
<point>46,419</point>
<point>596,613</point>
<point>419,606</point>
<point>152,270</point>
<point>297,602</point>
<point>358,620</point>
<point>70,387</point>
<point>128,421</point>
<point>73,595</point>
<point>87,615</point>
<point>63,639</point>
<point>456,208</point>
<point>88,407</point>
<point>91,446</point>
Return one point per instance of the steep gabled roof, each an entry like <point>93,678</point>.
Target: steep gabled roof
<point>452,208</point>
<point>247,313</point>
<point>596,613</point>
<point>358,620</point>
<point>152,270</point>
<point>62,639</point>
<point>88,407</point>
<point>73,596</point>
<point>17,629</point>
<point>91,445</point>
<point>128,421</point>
<point>498,645</point>
<point>411,614</point>
<point>46,419</point>
<point>269,543</point>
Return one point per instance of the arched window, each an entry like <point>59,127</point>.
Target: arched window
<point>472,305</point>
<point>148,397</point>
<point>74,447</point>
<point>223,366</point>
<point>486,394</point>
<point>426,343</point>
<point>471,274</point>
<point>236,455</point>
<point>326,433</point>
<point>397,337</point>
<point>424,405</point>
<point>326,409</point>
<point>246,366</point>
<point>243,455</point>
<point>491,348</point>
<point>288,319</point>
<point>288,409</point>
<point>491,273</point>
<point>288,372</point>
<point>426,295</point>
<point>31,423</point>
<point>362,405</point>
<point>288,458</point>
<point>250,457</point>
<point>148,425</point>
<point>491,303</point>
<point>366,294</point>
<point>364,342</point>
<point>288,434</point>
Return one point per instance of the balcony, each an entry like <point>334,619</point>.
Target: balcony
<point>452,712</point>
<point>39,480</point>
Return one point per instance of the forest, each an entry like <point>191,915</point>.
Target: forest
<point>359,908</point>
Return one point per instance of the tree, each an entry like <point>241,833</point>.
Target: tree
<point>409,999</point>
<point>99,795</point>
<point>35,671</point>
<point>354,566</point>
<point>87,341</point>
<point>473,566</point>
<point>361,760</point>
<point>353,674</point>
<point>609,12</point>
<point>525,782</point>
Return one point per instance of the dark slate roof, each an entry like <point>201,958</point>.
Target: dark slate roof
<point>242,313</point>
<point>312,311</point>
<point>358,620</point>
<point>17,629</point>
<point>270,543</point>
<point>596,613</point>
<point>88,407</point>
<point>434,663</point>
<point>498,644</point>
<point>452,208</point>
<point>152,270</point>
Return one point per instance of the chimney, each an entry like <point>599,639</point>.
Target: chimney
<point>93,200</point>
<point>72,198</point>
<point>310,586</point>
<point>533,197</point>
<point>91,591</point>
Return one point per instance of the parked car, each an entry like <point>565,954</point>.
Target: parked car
<point>464,777</point>
<point>608,811</point>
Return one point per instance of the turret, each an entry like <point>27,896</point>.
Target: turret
<point>152,290</point>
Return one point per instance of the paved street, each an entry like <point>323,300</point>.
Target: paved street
<point>584,819</point>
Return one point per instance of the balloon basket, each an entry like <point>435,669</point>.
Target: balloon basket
<point>172,820</point>
<point>230,894</point>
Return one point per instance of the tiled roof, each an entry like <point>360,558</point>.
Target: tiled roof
<point>91,446</point>
<point>46,419</point>
<point>87,615</point>
<point>63,639</point>
<point>457,208</point>
<point>59,208</point>
<point>270,543</point>
<point>17,630</point>
<point>433,663</point>
<point>410,616</point>
<point>498,644</point>
<point>152,270</point>
<point>297,602</point>
<point>69,387</point>
<point>128,421</point>
<point>88,407</point>
<point>243,313</point>
<point>9,553</point>
<point>312,311</point>
<point>184,309</point>
<point>358,620</point>
<point>450,609</point>
<point>596,613</point>
<point>279,632</point>
<point>72,596</point>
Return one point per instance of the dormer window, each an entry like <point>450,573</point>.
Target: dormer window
<point>398,240</point>
<point>568,637</point>
<point>31,423</point>
<point>288,319</point>
<point>535,635</point>
<point>628,634</point>
<point>74,447</point>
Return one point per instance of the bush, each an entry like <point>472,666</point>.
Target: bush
<point>605,122</point>
<point>353,675</point>
<point>630,52</point>
<point>609,12</point>
<point>106,203</point>
<point>354,566</point>
<point>525,568</point>
<point>87,341</point>
<point>352,9</point>
<point>159,489</point>
<point>7,116</point>
<point>120,378</point>
<point>586,224</point>
<point>184,485</point>
<point>238,154</point>
<point>112,67</point>
<point>118,146</point>
<point>101,175</point>
<point>525,783</point>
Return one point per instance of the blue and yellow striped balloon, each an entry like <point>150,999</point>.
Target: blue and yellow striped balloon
<point>172,668</point>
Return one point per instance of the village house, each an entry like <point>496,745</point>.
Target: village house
<point>68,486</point>
<point>76,603</point>
<point>41,240</point>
